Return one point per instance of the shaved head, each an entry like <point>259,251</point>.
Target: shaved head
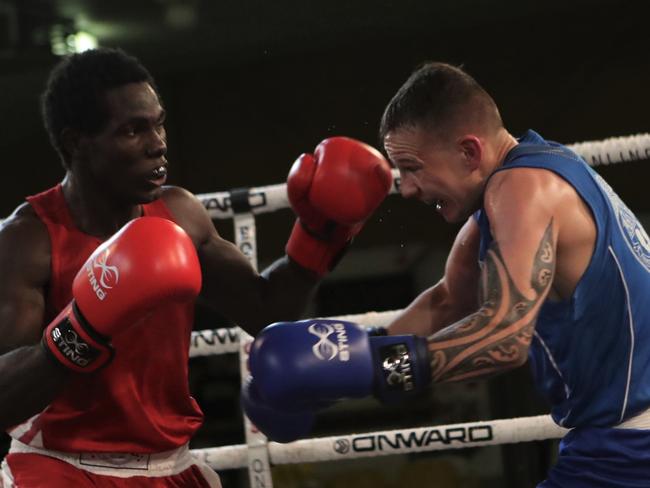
<point>442,99</point>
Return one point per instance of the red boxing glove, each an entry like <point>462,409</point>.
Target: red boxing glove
<point>146,263</point>
<point>333,193</point>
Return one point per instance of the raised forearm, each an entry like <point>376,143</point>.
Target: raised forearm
<point>477,347</point>
<point>430,312</point>
<point>29,381</point>
<point>496,337</point>
<point>284,291</point>
<point>290,288</point>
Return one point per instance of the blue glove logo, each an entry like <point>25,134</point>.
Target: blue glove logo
<point>325,349</point>
<point>396,364</point>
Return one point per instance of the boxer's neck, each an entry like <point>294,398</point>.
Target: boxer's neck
<point>94,212</point>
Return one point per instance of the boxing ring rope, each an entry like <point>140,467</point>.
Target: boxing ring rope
<point>383,443</point>
<point>257,454</point>
<point>221,341</point>
<point>258,200</point>
<point>431,438</point>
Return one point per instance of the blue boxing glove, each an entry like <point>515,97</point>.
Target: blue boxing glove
<point>277,425</point>
<point>375,331</point>
<point>299,366</point>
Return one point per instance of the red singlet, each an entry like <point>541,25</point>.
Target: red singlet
<point>139,403</point>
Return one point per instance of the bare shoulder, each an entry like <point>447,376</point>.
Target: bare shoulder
<point>179,199</point>
<point>25,245</point>
<point>189,213</point>
<point>525,180</point>
<point>521,188</point>
<point>23,227</point>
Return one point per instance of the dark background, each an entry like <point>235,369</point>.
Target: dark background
<point>249,85</point>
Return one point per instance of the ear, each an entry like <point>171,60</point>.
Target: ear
<point>472,150</point>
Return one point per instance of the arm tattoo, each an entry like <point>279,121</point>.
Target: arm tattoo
<point>497,336</point>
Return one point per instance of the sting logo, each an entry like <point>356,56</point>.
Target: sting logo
<point>396,364</point>
<point>325,349</point>
<point>73,347</point>
<point>108,275</point>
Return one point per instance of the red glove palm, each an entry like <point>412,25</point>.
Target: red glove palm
<point>333,193</point>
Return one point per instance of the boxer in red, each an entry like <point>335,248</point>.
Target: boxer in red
<point>100,275</point>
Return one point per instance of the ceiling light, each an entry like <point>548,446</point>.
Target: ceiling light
<point>64,40</point>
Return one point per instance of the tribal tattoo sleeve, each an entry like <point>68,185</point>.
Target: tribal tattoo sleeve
<point>497,336</point>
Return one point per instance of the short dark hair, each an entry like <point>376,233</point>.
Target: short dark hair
<point>73,94</point>
<point>433,96</point>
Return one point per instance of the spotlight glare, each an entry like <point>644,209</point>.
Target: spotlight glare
<point>63,41</point>
<point>83,41</point>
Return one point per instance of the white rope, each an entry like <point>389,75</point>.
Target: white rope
<point>226,340</point>
<point>614,150</point>
<point>382,443</point>
<point>270,198</point>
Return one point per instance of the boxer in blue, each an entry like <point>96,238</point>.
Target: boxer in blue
<point>550,267</point>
